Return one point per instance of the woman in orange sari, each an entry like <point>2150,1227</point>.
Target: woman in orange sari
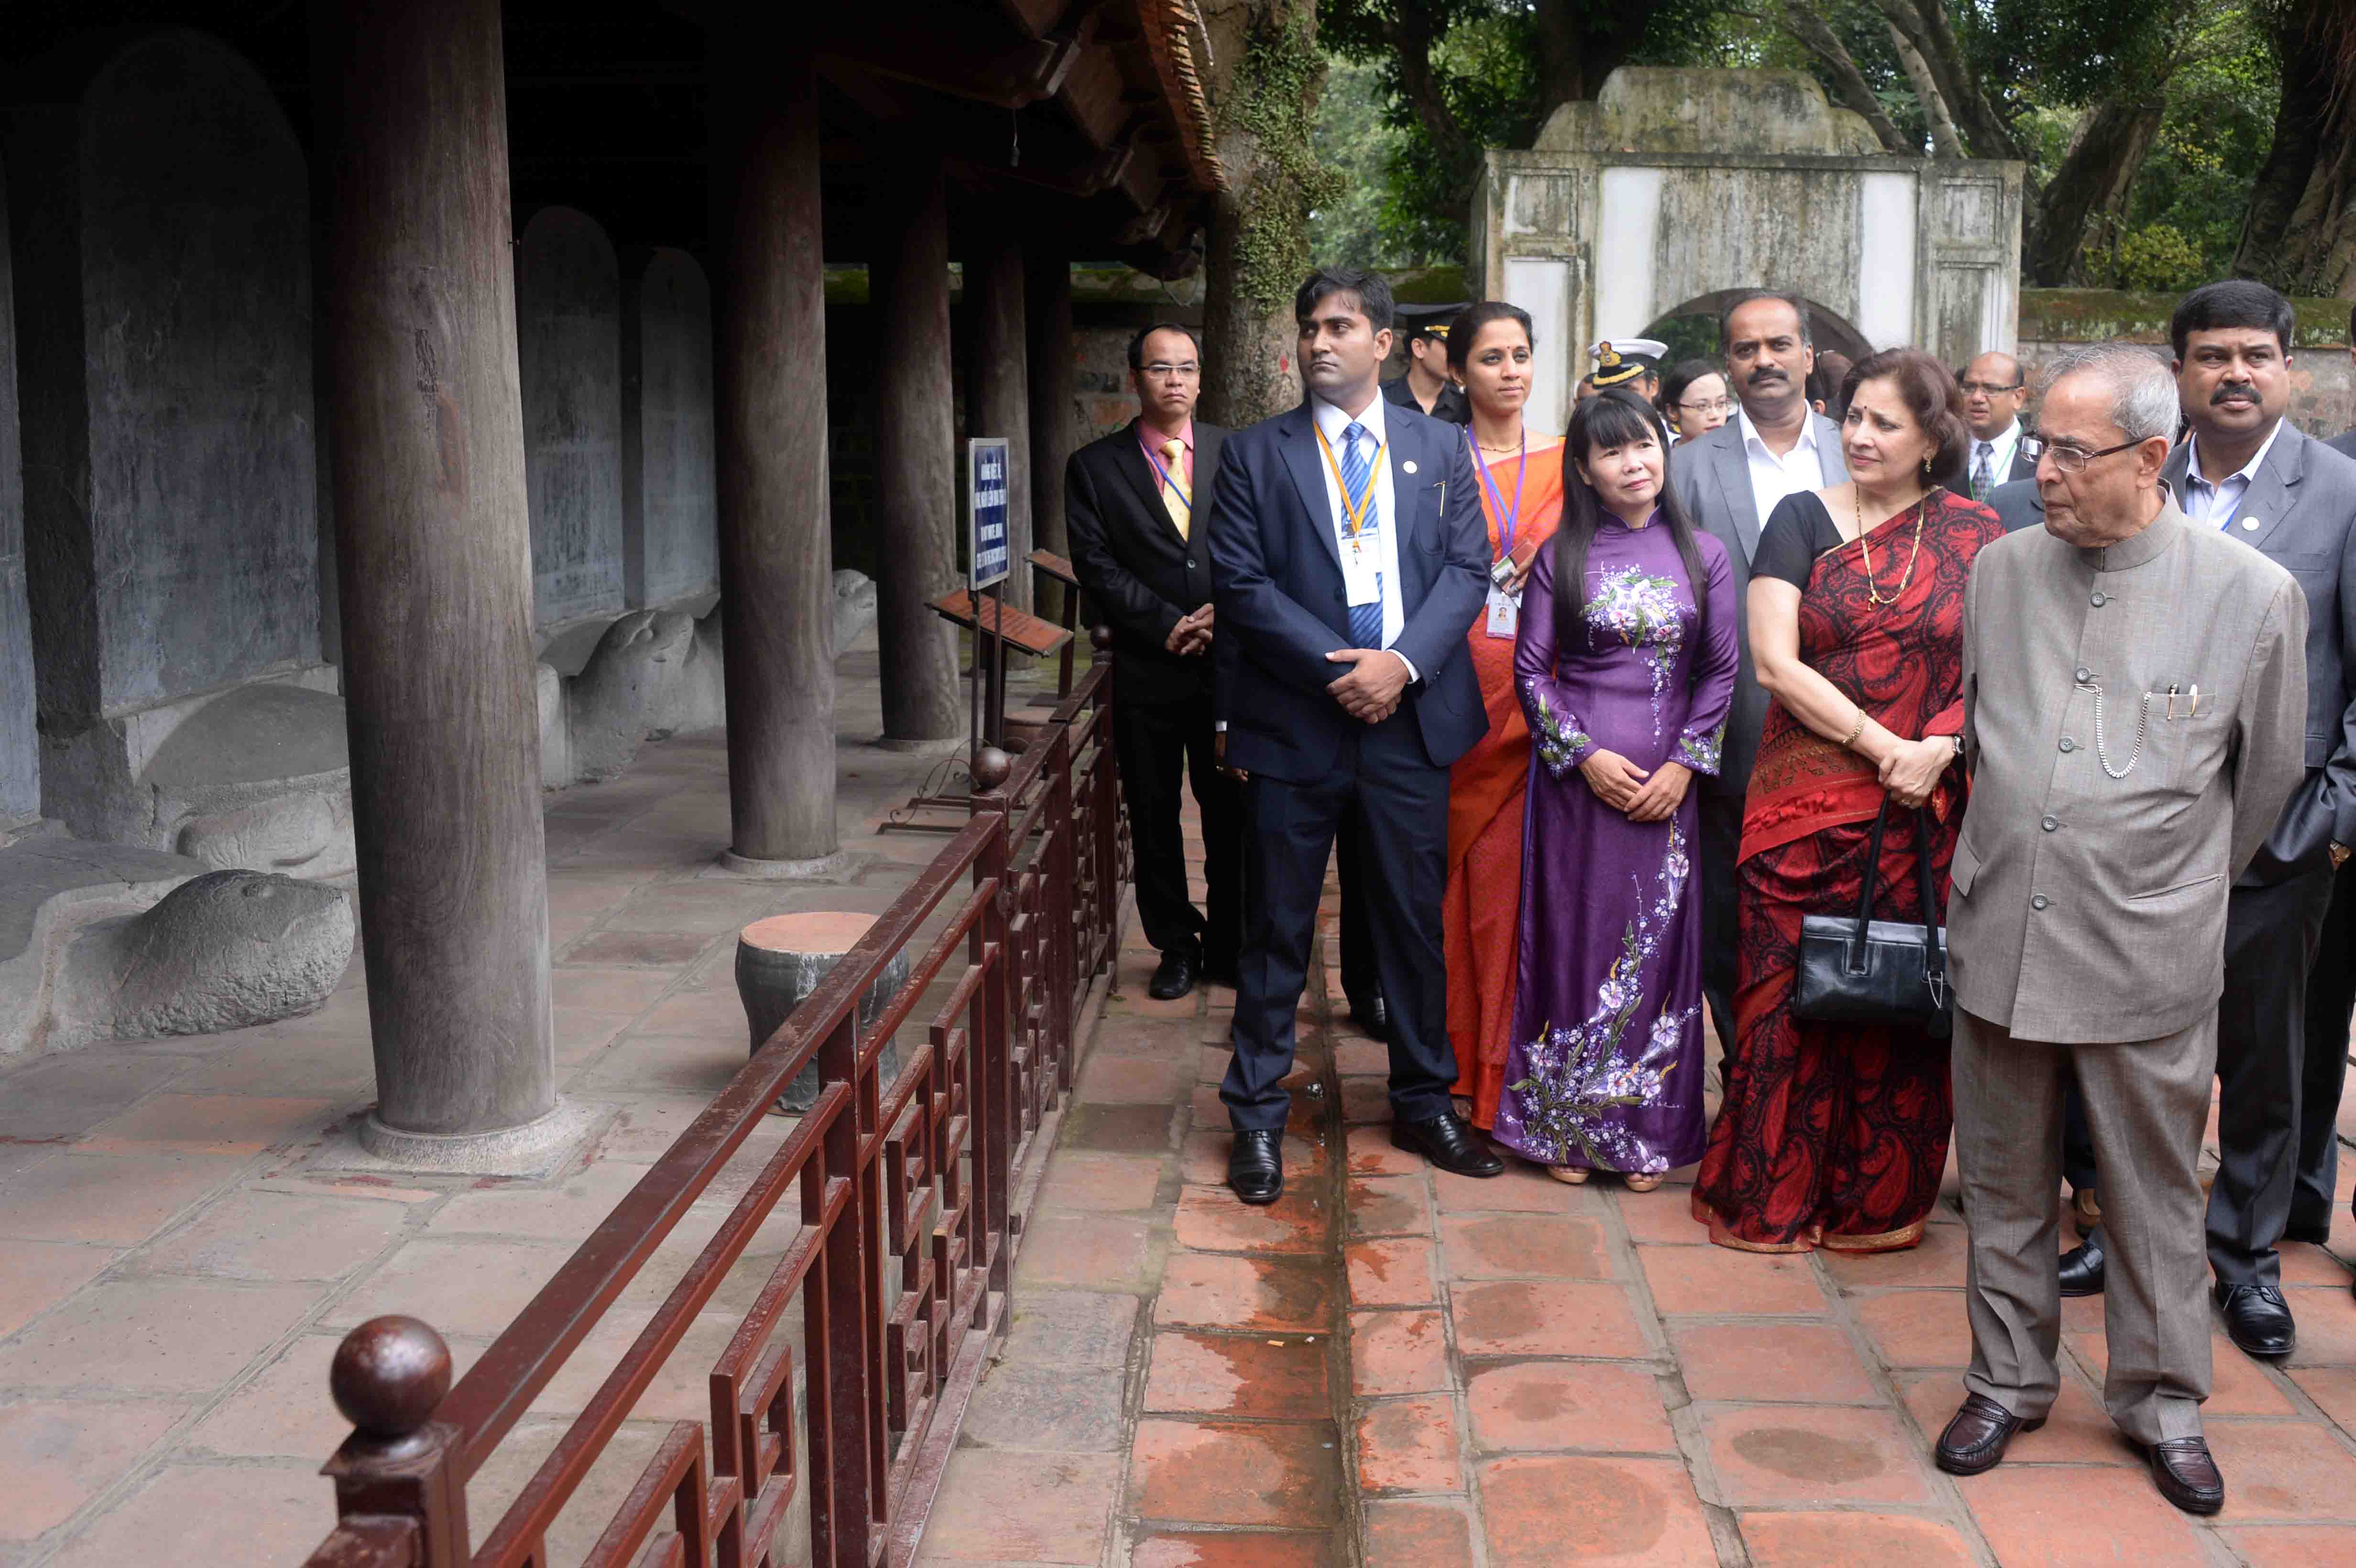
<point>1489,347</point>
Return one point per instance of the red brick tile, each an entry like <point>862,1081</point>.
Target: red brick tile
<point>1567,1318</point>
<point>176,1335</point>
<point>2056,1517</point>
<point>2293,1546</point>
<point>2283,1470</point>
<point>2237,1385</point>
<point>1398,1352</point>
<point>1220,1473</point>
<point>2077,1431</point>
<point>118,1198</point>
<point>1797,1456</point>
<point>1417,1535</point>
<point>1918,1328</point>
<point>1811,1362</point>
<point>1204,1290</point>
<point>2334,1389</point>
<point>1238,1374</point>
<point>1366,1100</point>
<point>1815,1540</point>
<point>1523,1189</point>
<point>1100,1252</point>
<point>1663,1217</point>
<point>58,1456</point>
<point>1373,1154</point>
<point>1390,1206</point>
<point>36,1275</point>
<point>2327,1332</point>
<point>1719,1279</point>
<point>1234,1548</point>
<point>1938,1261</point>
<point>209,1124</point>
<point>209,1513</point>
<point>1401,1272</point>
<point>1213,1220</point>
<point>1083,1179</point>
<point>1024,1508</point>
<point>1523,1246</point>
<point>1568,1404</point>
<point>1357,1056</point>
<point>1410,1445</point>
<point>1542,1511</point>
<point>2305,1264</point>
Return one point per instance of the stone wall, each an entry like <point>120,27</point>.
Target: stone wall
<point>2323,379</point>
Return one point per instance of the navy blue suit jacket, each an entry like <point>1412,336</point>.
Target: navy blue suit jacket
<point>1276,570</point>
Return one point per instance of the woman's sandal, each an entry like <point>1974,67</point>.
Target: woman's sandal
<point>1574,1174</point>
<point>1643,1183</point>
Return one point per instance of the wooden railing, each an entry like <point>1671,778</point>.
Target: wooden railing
<point>913,1195</point>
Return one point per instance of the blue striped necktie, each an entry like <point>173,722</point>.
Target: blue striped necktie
<point>1358,479</point>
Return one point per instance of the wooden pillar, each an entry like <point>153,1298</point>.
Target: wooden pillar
<point>1047,323</point>
<point>916,460</point>
<point>1000,387</point>
<point>426,424</point>
<point>776,555</point>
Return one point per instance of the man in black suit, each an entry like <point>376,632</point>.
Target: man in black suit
<point>1349,557</point>
<point>1994,393</point>
<point>1138,551</point>
<point>1427,387</point>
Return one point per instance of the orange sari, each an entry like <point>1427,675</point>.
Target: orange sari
<point>1481,914</point>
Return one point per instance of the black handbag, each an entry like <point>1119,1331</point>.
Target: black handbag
<point>1859,970</point>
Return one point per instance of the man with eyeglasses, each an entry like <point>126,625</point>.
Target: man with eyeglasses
<point>2247,475</point>
<point>2134,705</point>
<point>1994,391</point>
<point>1133,505</point>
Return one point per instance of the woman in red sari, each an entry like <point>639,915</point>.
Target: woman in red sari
<point>1836,1135</point>
<point>1489,347</point>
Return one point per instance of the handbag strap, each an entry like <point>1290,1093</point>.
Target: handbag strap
<point>1872,866</point>
<point>1935,953</point>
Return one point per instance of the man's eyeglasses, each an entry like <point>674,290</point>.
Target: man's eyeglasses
<point>1162,370</point>
<point>1989,388</point>
<point>2066,457</point>
<point>1710,406</point>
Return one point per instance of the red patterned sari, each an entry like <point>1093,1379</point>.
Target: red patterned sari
<point>1836,1135</point>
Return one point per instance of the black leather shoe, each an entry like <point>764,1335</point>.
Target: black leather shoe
<point>1449,1142</point>
<point>2082,1269</point>
<point>1978,1436</point>
<point>1256,1167</point>
<point>2257,1319</point>
<point>1374,1015</point>
<point>2185,1473</point>
<point>1176,976</point>
<point>2315,1235</point>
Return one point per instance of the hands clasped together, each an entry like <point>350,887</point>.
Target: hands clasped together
<point>1628,789</point>
<point>1192,635</point>
<point>1371,689</point>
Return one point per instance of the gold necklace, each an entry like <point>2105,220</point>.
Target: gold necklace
<point>1873,593</point>
<point>1513,445</point>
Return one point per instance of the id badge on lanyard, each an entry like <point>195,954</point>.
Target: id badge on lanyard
<point>1362,565</point>
<point>1504,609</point>
<point>1505,614</point>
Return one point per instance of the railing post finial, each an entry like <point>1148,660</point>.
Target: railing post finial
<point>991,768</point>
<point>388,1378</point>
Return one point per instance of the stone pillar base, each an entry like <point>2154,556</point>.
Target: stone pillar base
<point>839,867</point>
<point>537,1147</point>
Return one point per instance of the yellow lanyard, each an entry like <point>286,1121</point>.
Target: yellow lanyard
<point>1358,508</point>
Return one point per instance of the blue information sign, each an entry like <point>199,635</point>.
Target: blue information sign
<point>987,476</point>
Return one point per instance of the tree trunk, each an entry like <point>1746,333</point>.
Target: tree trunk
<point>1854,91</point>
<point>1580,42</point>
<point>1923,23</point>
<point>1263,92</point>
<point>1946,142</point>
<point>2300,234</point>
<point>2091,185</point>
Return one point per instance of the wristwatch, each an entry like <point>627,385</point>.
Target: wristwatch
<point>2338,854</point>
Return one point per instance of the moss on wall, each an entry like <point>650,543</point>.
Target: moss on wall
<point>2096,316</point>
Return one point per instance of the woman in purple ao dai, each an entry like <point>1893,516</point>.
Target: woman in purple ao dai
<point>1626,685</point>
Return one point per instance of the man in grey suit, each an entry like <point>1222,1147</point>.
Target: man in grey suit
<point>2246,474</point>
<point>2330,998</point>
<point>2134,695</point>
<point>1729,480</point>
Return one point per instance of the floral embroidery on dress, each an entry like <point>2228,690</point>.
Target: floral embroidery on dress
<point>1559,741</point>
<point>1700,753</point>
<point>1643,610</point>
<point>1579,1075</point>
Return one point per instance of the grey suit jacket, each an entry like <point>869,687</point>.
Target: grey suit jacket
<point>1711,476</point>
<point>2345,445</point>
<point>2018,506</point>
<point>2303,500</point>
<point>2090,907</point>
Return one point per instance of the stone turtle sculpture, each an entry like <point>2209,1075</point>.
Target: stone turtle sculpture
<point>222,950</point>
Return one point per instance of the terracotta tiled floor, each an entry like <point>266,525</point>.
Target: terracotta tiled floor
<point>1408,1370</point>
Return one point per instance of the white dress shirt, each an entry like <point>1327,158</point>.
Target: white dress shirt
<point>1999,454</point>
<point>1332,421</point>
<point>2215,503</point>
<point>1773,478</point>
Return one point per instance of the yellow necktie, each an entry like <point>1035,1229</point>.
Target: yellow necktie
<point>1174,495</point>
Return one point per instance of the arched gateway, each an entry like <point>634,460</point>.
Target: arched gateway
<point>1677,186</point>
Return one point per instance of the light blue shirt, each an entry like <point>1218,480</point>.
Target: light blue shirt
<point>2216,504</point>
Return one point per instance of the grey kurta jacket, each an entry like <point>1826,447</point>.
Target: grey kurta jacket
<point>2088,908</point>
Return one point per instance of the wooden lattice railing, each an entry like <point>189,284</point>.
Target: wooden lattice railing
<point>912,1209</point>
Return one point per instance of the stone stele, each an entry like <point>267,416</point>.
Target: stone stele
<point>222,950</point>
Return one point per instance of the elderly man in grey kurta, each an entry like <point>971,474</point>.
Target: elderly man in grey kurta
<point>2134,695</point>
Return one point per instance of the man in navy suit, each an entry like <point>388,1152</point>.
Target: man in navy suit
<point>1348,559</point>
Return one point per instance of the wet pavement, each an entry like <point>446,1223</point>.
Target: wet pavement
<point>1410,1370</point>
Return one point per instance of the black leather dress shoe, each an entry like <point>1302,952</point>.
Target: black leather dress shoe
<point>2257,1319</point>
<point>2186,1475</point>
<point>2082,1269</point>
<point>1978,1436</point>
<point>1374,1015</point>
<point>1256,1167</point>
<point>1449,1142</point>
<point>1176,974</point>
